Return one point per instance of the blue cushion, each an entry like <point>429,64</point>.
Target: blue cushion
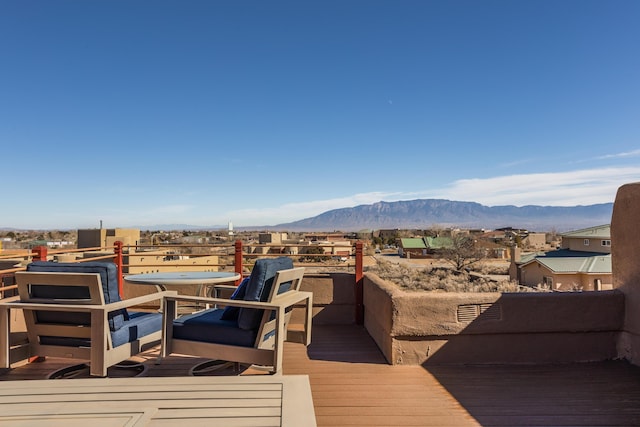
<point>259,287</point>
<point>108,276</point>
<point>208,326</point>
<point>231,313</point>
<point>139,325</point>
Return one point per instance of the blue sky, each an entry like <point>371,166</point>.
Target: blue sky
<point>265,112</point>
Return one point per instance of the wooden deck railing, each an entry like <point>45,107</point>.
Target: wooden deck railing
<point>237,256</point>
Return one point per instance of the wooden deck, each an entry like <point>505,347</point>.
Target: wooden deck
<point>352,384</point>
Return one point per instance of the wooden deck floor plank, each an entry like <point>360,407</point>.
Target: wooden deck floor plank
<point>431,421</point>
<point>386,411</point>
<point>608,420</point>
<point>352,384</point>
<point>356,404</point>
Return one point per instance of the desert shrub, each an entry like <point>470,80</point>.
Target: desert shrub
<point>493,268</point>
<point>441,279</point>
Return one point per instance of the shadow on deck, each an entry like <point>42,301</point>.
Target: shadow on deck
<point>352,384</point>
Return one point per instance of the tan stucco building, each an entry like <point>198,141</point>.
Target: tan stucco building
<point>582,263</point>
<point>106,237</point>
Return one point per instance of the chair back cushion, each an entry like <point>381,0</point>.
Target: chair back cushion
<point>108,276</point>
<point>231,313</point>
<point>259,287</point>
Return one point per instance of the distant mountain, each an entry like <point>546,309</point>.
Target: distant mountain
<point>427,213</point>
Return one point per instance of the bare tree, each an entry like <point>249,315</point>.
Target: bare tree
<point>462,253</point>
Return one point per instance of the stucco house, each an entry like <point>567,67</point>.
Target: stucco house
<point>422,247</point>
<point>583,262</point>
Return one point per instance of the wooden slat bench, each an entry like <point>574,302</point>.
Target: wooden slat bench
<point>256,400</point>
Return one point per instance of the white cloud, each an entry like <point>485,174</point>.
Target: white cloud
<point>581,187</point>
<point>296,211</point>
<point>632,153</point>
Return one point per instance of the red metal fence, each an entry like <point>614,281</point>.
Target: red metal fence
<point>239,252</point>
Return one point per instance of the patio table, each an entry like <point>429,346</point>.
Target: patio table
<point>201,279</point>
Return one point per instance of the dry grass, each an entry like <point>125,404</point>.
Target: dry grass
<point>441,278</point>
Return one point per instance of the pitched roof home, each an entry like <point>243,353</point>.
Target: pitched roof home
<point>421,247</point>
<point>438,243</point>
<point>592,239</point>
<point>582,263</point>
<point>413,247</point>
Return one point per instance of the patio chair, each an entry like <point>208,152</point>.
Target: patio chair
<point>251,328</point>
<point>74,310</point>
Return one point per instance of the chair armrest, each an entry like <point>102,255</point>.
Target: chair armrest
<point>139,300</point>
<point>293,297</point>
<point>87,307</point>
<point>53,307</point>
<point>290,300</point>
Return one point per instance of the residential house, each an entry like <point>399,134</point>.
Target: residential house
<point>593,239</point>
<point>422,247</point>
<point>412,247</point>
<point>437,244</point>
<point>583,262</point>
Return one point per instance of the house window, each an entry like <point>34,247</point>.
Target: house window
<point>547,281</point>
<point>586,242</point>
<point>606,243</point>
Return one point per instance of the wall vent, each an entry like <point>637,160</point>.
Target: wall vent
<point>470,312</point>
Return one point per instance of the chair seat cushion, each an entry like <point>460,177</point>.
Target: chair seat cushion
<point>139,325</point>
<point>208,326</point>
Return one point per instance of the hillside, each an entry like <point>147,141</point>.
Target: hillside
<point>426,213</point>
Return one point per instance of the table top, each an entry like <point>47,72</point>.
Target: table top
<point>283,400</point>
<point>183,278</point>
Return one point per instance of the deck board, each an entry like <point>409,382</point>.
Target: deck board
<point>352,384</point>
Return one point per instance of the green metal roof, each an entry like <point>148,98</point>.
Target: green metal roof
<point>439,242</point>
<point>596,264</point>
<point>525,258</point>
<point>413,243</point>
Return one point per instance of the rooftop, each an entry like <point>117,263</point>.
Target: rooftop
<point>352,384</point>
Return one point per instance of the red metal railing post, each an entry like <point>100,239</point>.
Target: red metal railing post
<point>238,260</point>
<point>117,251</point>
<point>40,253</point>
<point>358,285</point>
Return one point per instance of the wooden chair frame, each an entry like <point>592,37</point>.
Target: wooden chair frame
<point>264,352</point>
<point>101,354</point>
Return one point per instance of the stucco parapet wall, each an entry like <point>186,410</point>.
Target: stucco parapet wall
<point>432,314</point>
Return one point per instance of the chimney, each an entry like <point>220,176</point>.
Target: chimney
<point>515,253</point>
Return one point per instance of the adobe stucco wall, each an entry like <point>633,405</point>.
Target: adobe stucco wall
<point>455,328</point>
<point>333,298</point>
<point>625,259</point>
